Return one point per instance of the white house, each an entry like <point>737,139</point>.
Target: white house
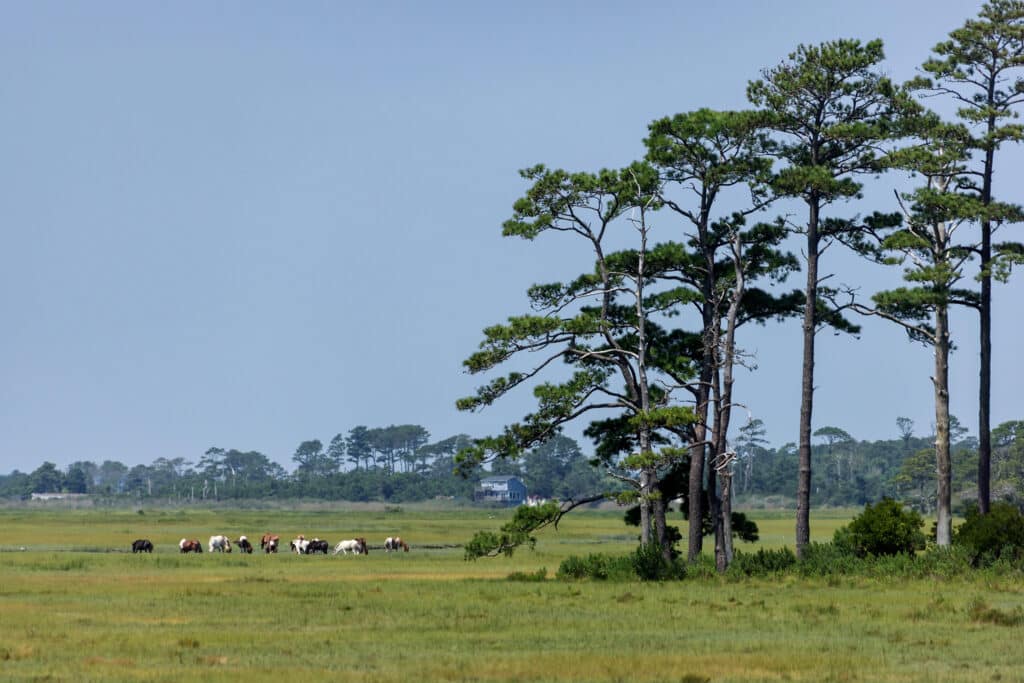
<point>503,489</point>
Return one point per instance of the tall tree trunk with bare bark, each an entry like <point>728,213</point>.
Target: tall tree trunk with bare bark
<point>975,67</point>
<point>831,107</point>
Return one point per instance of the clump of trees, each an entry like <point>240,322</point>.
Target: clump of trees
<point>643,346</point>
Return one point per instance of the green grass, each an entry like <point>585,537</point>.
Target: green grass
<point>77,606</point>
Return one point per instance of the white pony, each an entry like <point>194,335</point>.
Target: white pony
<point>354,545</point>
<point>300,545</point>
<point>220,544</point>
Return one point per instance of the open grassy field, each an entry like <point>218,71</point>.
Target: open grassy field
<point>75,605</point>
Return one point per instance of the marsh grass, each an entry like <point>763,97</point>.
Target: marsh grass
<point>68,615</point>
<point>981,612</point>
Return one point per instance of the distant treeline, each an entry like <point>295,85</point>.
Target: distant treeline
<point>398,463</point>
<point>401,464</point>
<point>851,473</point>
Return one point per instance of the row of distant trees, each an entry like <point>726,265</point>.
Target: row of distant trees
<point>852,473</point>
<point>400,463</point>
<point>396,463</point>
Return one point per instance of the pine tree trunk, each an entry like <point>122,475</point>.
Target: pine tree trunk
<point>695,507</point>
<point>715,508</point>
<point>724,416</point>
<point>645,507</point>
<point>698,452</point>
<point>718,409</point>
<point>803,490</point>
<point>727,519</point>
<point>985,324</point>
<point>943,501</point>
<point>985,380</point>
<point>695,502</point>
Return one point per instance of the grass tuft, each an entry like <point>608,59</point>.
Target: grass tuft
<point>980,612</point>
<point>539,575</point>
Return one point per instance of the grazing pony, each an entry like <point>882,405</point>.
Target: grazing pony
<point>244,545</point>
<point>220,544</point>
<point>355,545</point>
<point>317,545</point>
<point>299,545</point>
<point>394,543</point>
<point>143,545</point>
<point>269,543</point>
<point>190,546</point>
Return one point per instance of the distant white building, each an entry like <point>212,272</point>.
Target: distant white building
<point>59,496</point>
<point>506,490</point>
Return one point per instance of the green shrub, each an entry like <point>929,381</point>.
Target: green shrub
<point>703,569</point>
<point>576,567</point>
<point>885,528</point>
<point>646,563</point>
<point>997,535</point>
<point>763,562</point>
<point>898,566</point>
<point>650,565</point>
<point>946,562</point>
<point>539,575</point>
<point>594,566</point>
<point>826,559</point>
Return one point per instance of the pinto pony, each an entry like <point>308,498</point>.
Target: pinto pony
<point>269,543</point>
<point>394,543</point>
<point>220,544</point>
<point>190,546</point>
<point>244,545</point>
<point>355,545</point>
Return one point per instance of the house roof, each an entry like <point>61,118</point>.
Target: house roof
<point>499,479</point>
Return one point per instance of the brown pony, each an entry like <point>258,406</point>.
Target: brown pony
<point>190,546</point>
<point>269,543</point>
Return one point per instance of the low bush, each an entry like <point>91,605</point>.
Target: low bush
<point>999,535</point>
<point>827,559</point>
<point>703,569</point>
<point>947,563</point>
<point>763,562</point>
<point>885,528</point>
<point>539,575</point>
<point>650,565</point>
<point>646,564</point>
<point>595,566</point>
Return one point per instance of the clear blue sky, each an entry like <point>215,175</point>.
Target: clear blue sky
<point>246,225</point>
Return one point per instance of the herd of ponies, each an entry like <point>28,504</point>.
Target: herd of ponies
<point>270,542</point>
